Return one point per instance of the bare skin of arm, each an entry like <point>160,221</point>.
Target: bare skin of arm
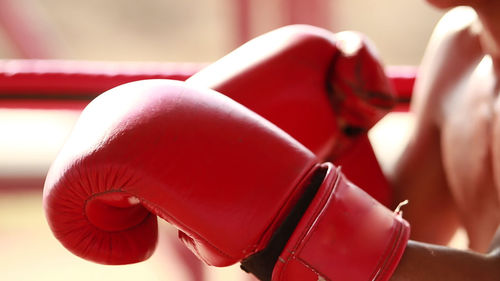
<point>423,262</point>
<point>419,174</point>
<point>431,211</point>
<point>431,262</point>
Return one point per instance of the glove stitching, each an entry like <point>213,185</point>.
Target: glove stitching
<point>313,269</point>
<point>388,255</point>
<point>311,228</point>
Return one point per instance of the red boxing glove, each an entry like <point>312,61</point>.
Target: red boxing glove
<point>236,186</point>
<point>322,88</point>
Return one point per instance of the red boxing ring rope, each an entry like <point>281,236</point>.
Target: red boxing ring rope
<point>43,83</point>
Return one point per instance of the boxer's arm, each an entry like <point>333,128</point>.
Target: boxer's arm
<point>430,262</point>
<point>419,174</point>
<point>419,178</point>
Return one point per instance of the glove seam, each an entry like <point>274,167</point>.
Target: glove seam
<point>318,215</point>
<point>389,254</point>
<point>309,229</point>
<point>297,187</point>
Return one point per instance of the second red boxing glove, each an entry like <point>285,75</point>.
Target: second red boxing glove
<point>322,88</point>
<point>236,186</point>
<point>325,89</point>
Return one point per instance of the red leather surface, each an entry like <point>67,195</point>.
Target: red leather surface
<point>194,157</point>
<point>402,79</point>
<point>361,167</point>
<point>344,235</point>
<point>362,93</point>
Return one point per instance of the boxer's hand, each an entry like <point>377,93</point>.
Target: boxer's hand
<point>236,186</point>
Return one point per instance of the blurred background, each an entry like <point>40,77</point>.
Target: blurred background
<point>158,31</point>
<point>191,30</point>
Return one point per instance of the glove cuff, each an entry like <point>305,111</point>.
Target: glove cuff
<point>344,235</point>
